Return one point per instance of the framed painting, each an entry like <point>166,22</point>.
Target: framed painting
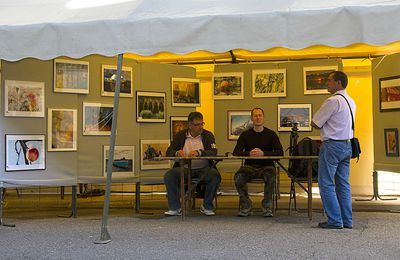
<point>178,123</point>
<point>124,158</point>
<point>389,93</point>
<point>238,122</point>
<point>23,98</point>
<point>269,83</point>
<point>228,85</point>
<point>150,107</point>
<point>290,114</point>
<point>25,152</point>
<point>109,79</point>
<point>71,76</point>
<point>62,128</point>
<point>97,118</point>
<point>315,79</point>
<point>150,149</point>
<point>185,92</point>
<point>391,142</point>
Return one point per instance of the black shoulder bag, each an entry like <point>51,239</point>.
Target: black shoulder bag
<point>355,145</point>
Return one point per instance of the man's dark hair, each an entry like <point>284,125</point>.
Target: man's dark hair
<point>194,115</point>
<point>257,108</point>
<point>340,76</point>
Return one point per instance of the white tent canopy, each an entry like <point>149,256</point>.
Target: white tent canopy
<point>46,29</point>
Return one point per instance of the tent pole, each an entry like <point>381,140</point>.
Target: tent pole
<point>2,190</point>
<point>105,236</point>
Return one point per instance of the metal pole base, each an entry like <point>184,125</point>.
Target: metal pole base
<point>105,237</point>
<point>6,225</point>
<point>375,196</point>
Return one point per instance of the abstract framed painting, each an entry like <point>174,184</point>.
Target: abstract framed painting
<point>124,161</point>
<point>24,99</point>
<point>178,123</point>
<point>291,114</point>
<point>62,128</point>
<point>391,142</point>
<point>315,79</point>
<point>228,85</point>
<point>71,76</point>
<point>109,80</point>
<point>25,152</point>
<point>389,93</point>
<point>150,107</point>
<point>97,118</point>
<point>185,92</point>
<point>153,148</point>
<point>269,83</point>
<point>238,122</point>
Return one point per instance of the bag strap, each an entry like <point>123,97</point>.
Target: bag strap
<point>351,112</point>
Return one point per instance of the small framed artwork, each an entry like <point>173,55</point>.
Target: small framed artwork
<point>24,98</point>
<point>97,118</point>
<point>185,92</point>
<point>269,83</point>
<point>178,123</point>
<point>389,93</point>
<point>228,85</point>
<point>123,165</point>
<point>150,107</point>
<point>109,79</point>
<point>150,149</point>
<point>25,152</point>
<point>71,76</point>
<point>62,129</point>
<point>290,114</point>
<point>315,79</point>
<point>238,122</point>
<point>391,142</point>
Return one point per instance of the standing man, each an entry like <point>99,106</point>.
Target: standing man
<point>335,121</point>
<point>255,142</point>
<point>193,142</point>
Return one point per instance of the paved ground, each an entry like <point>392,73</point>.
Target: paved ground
<point>153,236</point>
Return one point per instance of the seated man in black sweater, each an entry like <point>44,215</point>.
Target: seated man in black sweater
<point>257,141</point>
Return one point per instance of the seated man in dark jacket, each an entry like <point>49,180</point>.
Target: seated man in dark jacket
<point>257,141</point>
<point>192,142</point>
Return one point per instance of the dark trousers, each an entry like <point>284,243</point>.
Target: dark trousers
<point>247,173</point>
<point>209,175</point>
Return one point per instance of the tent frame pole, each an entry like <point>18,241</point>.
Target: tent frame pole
<point>105,236</point>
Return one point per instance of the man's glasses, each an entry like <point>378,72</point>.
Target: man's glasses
<point>198,124</point>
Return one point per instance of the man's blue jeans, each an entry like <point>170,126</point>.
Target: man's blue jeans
<point>333,181</point>
<point>172,183</point>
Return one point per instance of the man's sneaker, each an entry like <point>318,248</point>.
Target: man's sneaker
<point>244,212</point>
<point>207,212</point>
<point>177,212</point>
<point>267,212</point>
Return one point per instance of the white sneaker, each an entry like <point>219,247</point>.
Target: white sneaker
<point>206,212</point>
<point>177,212</point>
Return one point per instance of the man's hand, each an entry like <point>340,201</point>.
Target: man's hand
<point>180,153</point>
<point>194,153</point>
<point>256,152</point>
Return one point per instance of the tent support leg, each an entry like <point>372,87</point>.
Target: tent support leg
<point>1,210</point>
<point>73,204</point>
<point>105,236</point>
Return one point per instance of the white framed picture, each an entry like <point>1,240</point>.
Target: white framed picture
<point>153,148</point>
<point>109,80</point>
<point>315,79</point>
<point>24,99</point>
<point>124,160</point>
<point>25,152</point>
<point>269,83</point>
<point>97,118</point>
<point>71,76</point>
<point>185,92</point>
<point>62,129</point>
<point>238,122</point>
<point>291,114</point>
<point>228,85</point>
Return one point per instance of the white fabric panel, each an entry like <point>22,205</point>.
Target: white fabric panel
<point>46,29</point>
